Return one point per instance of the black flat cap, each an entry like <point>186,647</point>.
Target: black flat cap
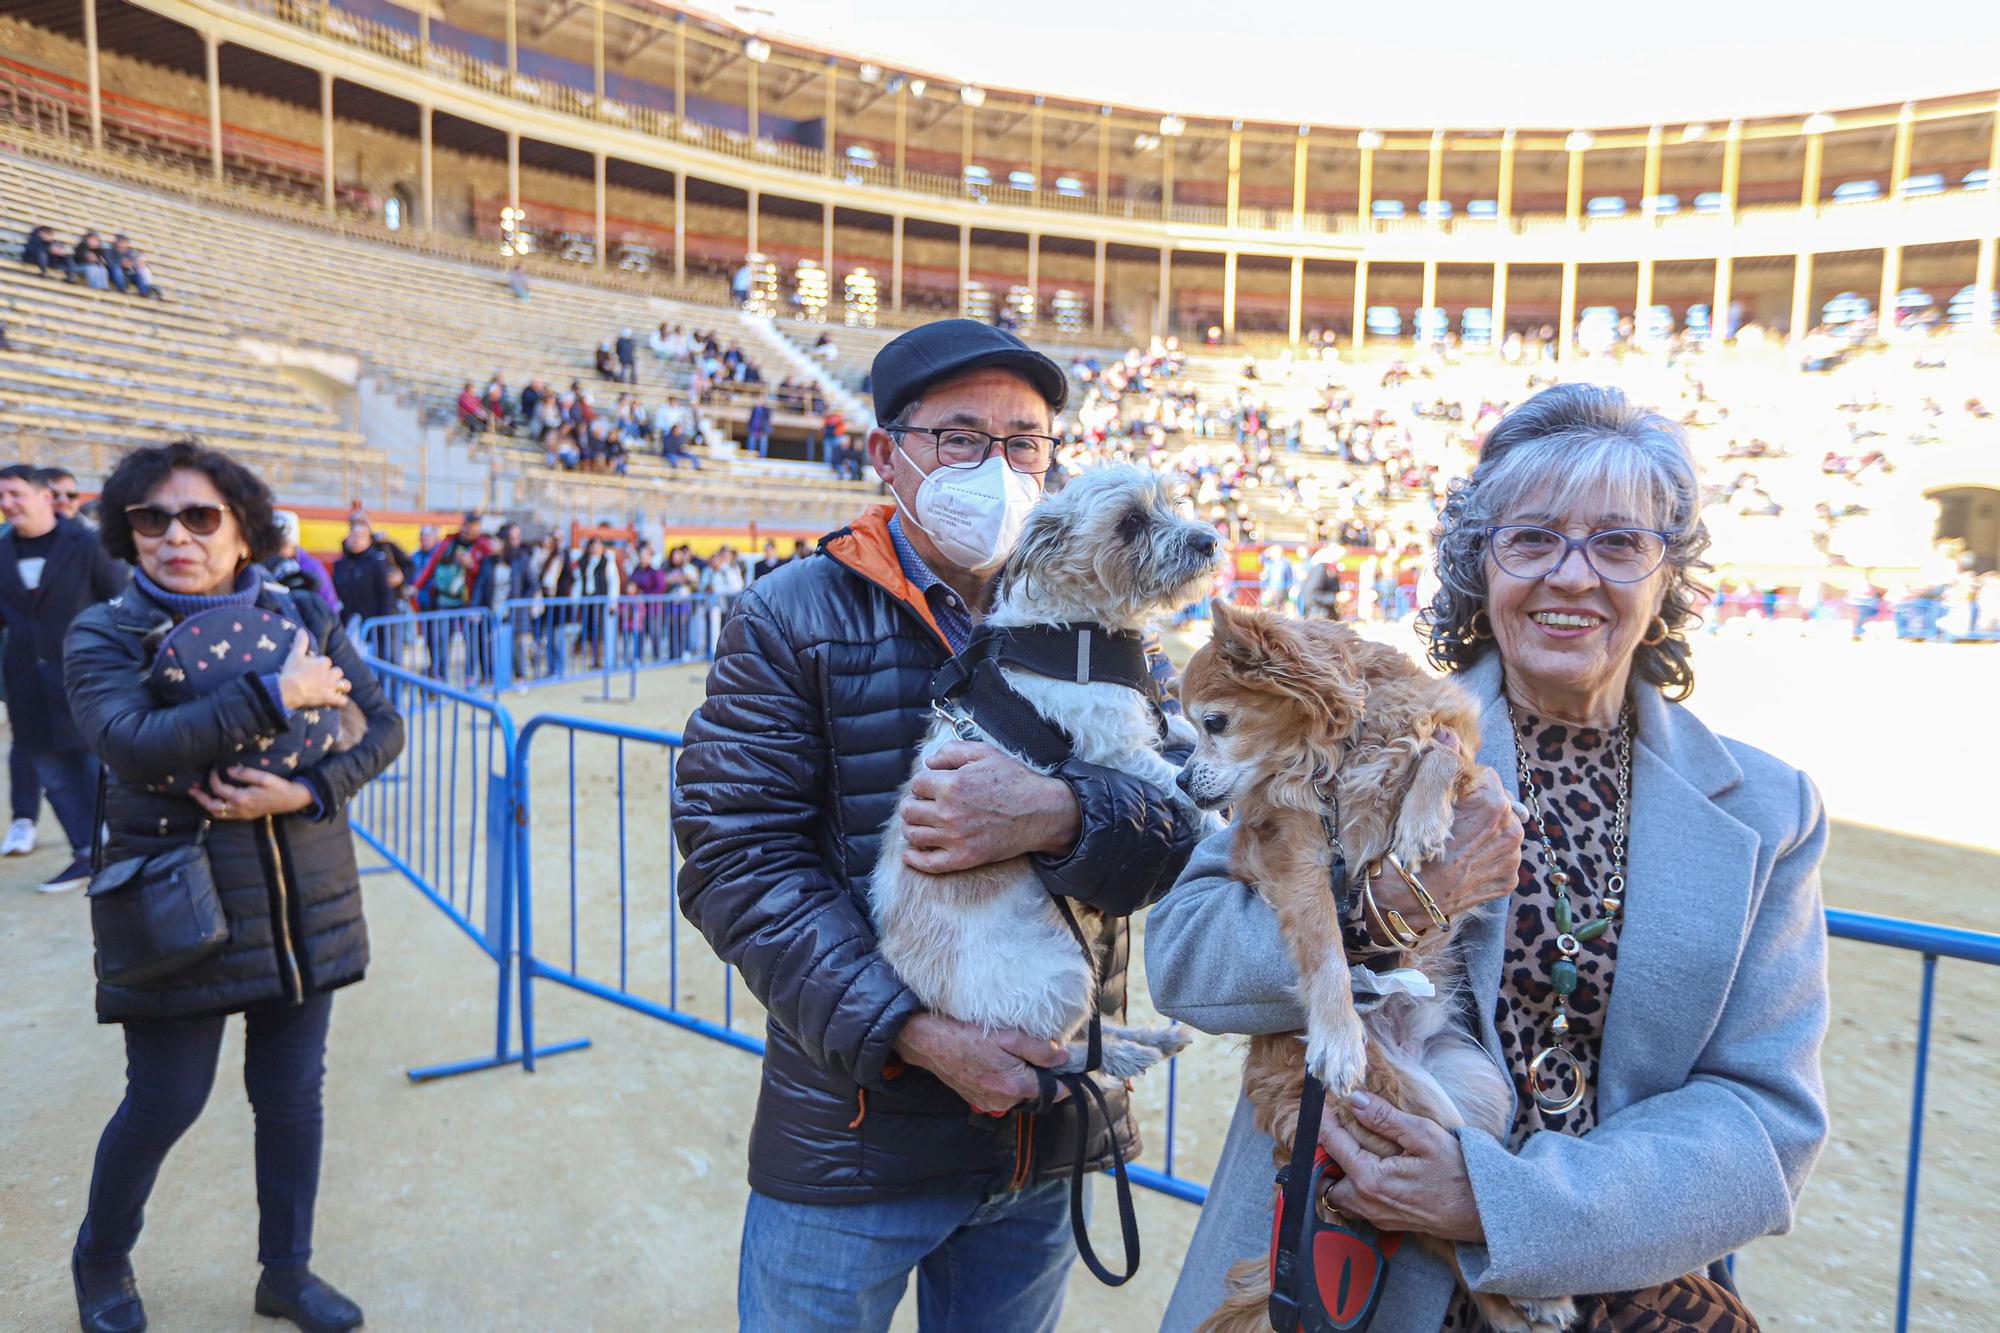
<point>920,358</point>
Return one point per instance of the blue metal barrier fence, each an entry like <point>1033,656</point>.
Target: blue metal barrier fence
<point>546,640</point>
<point>442,815</point>
<point>600,888</point>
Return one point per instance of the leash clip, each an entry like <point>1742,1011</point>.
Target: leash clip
<point>961,726</point>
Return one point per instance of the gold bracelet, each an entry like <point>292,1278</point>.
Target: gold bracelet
<point>1423,895</point>
<point>1387,922</point>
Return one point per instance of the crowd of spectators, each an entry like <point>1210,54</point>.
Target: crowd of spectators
<point>117,266</point>
<point>1349,469</point>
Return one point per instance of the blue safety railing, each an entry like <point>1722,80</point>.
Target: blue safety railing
<point>586,890</point>
<point>546,640</point>
<point>442,815</point>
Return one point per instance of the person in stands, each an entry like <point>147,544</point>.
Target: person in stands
<point>45,252</point>
<point>758,429</point>
<point>51,570</point>
<point>628,356</point>
<point>472,414</point>
<point>128,270</point>
<point>93,261</point>
<point>674,445</point>
<point>769,562</point>
<point>494,399</point>
<point>196,523</point>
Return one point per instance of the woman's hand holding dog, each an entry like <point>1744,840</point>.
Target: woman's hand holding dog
<point>1423,1188</point>
<point>990,1070</point>
<point>1481,859</point>
<point>974,805</point>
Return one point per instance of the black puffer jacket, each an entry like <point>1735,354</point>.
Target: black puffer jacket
<point>816,706</point>
<point>288,884</point>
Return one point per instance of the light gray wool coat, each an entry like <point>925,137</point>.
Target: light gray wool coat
<point>1710,1106</point>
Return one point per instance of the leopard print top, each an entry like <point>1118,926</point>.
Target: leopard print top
<point>1576,774</point>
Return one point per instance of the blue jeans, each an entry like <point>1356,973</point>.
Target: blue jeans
<point>998,1264</point>
<point>169,1068</point>
<point>69,778</point>
<point>24,784</point>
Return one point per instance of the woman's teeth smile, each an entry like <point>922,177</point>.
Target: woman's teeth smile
<point>1565,620</point>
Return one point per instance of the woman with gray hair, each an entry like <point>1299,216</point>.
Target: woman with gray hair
<point>1659,1123</point>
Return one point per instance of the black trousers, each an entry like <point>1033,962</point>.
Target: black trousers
<point>169,1068</point>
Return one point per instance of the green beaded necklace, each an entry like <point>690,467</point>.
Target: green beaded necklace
<point>1546,1069</point>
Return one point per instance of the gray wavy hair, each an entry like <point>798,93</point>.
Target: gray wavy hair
<point>1571,443</point>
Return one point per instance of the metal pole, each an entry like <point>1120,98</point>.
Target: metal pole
<point>601,240</point>
<point>326,135</point>
<point>96,78</point>
<point>1916,1145</point>
<point>211,54</point>
<point>1097,290</point>
<point>424,160</point>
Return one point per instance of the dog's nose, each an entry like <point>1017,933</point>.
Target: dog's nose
<point>1182,780</point>
<point>1203,543</point>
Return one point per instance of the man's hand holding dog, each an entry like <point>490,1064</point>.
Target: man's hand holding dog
<point>1481,860</point>
<point>990,1070</point>
<point>974,805</point>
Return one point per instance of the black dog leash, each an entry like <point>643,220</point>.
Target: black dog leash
<point>1080,1086</point>
<point>1288,1271</point>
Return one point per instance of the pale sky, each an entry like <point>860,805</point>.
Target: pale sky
<point>1401,64</point>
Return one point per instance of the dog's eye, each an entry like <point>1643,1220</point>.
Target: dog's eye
<point>1215,723</point>
<point>1134,523</point>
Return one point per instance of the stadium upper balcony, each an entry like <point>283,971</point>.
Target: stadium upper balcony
<point>611,76</point>
<point>622,135</point>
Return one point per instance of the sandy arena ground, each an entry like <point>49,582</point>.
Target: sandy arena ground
<point>606,1191</point>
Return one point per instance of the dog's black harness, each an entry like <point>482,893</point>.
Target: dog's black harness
<point>1084,653</point>
<point>971,686</point>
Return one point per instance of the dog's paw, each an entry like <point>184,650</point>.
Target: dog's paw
<point>1522,1314</point>
<point>1337,1054</point>
<point>1420,836</point>
<point>1172,1039</point>
<point>1125,1059</point>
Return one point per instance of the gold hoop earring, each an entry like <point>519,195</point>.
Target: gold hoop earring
<point>1473,633</point>
<point>1655,636</point>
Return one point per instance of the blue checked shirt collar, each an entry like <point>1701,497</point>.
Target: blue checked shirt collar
<point>947,608</point>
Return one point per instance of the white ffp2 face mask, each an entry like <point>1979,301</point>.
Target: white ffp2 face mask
<point>974,515</point>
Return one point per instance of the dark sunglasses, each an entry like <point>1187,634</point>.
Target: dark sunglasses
<point>153,521</point>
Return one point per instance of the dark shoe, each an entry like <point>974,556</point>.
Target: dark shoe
<point>308,1301</point>
<point>107,1301</point>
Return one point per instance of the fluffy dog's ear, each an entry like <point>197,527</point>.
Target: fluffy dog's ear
<point>1041,538</point>
<point>1224,614</point>
<point>1315,671</point>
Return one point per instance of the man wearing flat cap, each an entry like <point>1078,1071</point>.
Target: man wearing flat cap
<point>888,1139</point>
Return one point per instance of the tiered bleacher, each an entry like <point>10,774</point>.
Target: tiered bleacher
<point>418,323</point>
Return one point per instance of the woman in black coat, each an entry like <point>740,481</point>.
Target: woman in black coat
<point>195,523</point>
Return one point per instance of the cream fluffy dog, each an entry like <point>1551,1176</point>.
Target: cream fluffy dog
<point>988,946</point>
